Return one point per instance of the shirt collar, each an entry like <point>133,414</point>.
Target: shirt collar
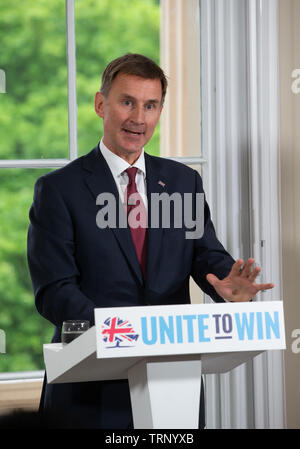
<point>118,165</point>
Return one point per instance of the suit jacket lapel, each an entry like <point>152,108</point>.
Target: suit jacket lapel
<point>99,179</point>
<point>156,183</point>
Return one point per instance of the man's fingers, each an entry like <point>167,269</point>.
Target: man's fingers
<point>246,271</point>
<point>212,279</point>
<point>264,286</point>
<point>254,273</point>
<point>236,267</point>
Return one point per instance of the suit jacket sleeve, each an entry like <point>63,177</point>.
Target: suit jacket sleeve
<point>51,258</point>
<point>209,255</point>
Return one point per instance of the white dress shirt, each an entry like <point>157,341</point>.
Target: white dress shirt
<point>118,166</point>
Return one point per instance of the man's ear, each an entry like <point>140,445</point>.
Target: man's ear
<point>99,104</point>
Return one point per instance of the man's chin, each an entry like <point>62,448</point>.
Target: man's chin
<point>129,152</point>
<point>132,149</point>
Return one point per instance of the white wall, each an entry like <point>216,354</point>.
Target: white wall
<point>290,196</point>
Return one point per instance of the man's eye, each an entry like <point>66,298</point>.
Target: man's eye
<point>127,103</point>
<point>149,106</point>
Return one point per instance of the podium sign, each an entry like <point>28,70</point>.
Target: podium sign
<point>163,350</point>
<point>189,329</point>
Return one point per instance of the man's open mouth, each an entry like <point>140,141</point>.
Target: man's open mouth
<point>135,133</point>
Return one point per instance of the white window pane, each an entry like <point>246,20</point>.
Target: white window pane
<point>106,30</point>
<point>26,331</point>
<point>34,109</point>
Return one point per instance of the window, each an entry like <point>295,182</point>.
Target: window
<point>38,126</point>
<point>105,32</point>
<point>34,111</point>
<point>25,329</point>
<point>46,119</point>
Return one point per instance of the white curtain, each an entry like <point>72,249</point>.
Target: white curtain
<point>240,121</point>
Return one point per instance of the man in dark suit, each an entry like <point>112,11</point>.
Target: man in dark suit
<point>77,265</point>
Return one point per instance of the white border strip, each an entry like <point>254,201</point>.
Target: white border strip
<point>71,61</point>
<point>33,163</point>
<point>188,160</point>
<point>21,376</point>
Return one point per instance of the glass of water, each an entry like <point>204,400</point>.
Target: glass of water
<point>72,329</point>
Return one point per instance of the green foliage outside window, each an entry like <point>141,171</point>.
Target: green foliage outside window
<point>34,124</point>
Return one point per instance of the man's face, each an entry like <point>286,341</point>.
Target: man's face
<point>130,114</point>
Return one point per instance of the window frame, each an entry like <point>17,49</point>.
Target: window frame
<point>53,163</point>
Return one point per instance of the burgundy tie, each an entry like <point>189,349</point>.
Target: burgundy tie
<point>138,233</point>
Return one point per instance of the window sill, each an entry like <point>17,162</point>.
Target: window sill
<point>20,391</point>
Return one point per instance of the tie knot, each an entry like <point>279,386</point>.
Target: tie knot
<point>131,172</point>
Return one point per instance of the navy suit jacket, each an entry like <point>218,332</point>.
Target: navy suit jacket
<point>75,266</point>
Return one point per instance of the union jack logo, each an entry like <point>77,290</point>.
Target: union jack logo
<point>118,333</point>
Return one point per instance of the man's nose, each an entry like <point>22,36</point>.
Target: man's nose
<point>138,115</point>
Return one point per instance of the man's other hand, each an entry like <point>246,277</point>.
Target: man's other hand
<point>240,284</point>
